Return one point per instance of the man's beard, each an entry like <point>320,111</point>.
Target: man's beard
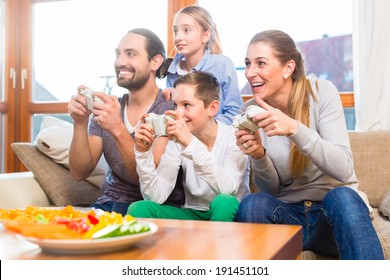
<point>135,83</point>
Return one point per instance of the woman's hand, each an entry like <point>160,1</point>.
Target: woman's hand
<point>274,121</point>
<point>250,143</point>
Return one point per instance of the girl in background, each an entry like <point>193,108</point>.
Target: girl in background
<point>197,42</point>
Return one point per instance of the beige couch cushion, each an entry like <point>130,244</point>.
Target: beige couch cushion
<point>371,152</point>
<point>54,140</point>
<point>55,179</point>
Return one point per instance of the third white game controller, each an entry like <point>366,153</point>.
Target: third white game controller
<point>244,120</point>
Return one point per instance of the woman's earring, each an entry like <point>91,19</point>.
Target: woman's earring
<point>285,76</point>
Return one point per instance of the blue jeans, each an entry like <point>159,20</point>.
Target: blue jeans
<point>111,206</point>
<point>340,225</point>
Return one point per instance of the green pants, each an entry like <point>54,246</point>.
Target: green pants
<point>222,208</point>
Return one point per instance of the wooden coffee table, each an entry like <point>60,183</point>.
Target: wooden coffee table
<point>184,240</point>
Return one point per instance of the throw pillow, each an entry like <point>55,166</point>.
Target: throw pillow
<point>384,206</point>
<point>55,179</point>
<point>54,140</point>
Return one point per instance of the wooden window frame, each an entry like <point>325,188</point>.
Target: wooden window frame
<point>347,99</point>
<point>19,111</point>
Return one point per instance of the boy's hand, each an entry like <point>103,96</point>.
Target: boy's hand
<point>177,129</point>
<point>143,136</point>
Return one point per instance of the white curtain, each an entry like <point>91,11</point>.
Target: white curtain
<point>371,50</point>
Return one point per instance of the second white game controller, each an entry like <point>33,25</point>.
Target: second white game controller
<point>158,123</point>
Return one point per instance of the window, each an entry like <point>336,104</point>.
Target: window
<point>243,19</point>
<point>55,45</point>
<point>82,48</point>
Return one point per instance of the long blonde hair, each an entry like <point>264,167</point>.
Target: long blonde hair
<point>285,49</point>
<point>202,16</point>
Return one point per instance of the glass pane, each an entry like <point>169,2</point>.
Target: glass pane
<point>324,36</point>
<point>350,118</point>
<point>330,58</point>
<point>74,42</point>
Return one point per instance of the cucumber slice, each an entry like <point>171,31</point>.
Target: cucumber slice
<point>108,231</point>
<point>125,229</point>
<point>115,230</point>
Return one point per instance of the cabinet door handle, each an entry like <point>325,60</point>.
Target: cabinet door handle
<point>13,77</point>
<point>23,77</point>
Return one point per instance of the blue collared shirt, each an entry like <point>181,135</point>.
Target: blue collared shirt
<point>223,69</point>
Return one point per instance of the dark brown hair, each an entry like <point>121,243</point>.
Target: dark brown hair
<point>154,46</point>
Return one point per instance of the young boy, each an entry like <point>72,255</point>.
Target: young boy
<point>216,172</point>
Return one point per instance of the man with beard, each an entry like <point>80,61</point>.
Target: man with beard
<point>110,130</point>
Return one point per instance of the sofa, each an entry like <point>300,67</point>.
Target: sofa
<point>371,153</point>
<point>49,183</point>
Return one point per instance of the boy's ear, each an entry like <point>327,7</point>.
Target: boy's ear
<point>213,108</point>
<point>156,62</point>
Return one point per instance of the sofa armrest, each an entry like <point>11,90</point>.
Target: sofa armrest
<point>19,190</point>
<point>55,179</point>
<point>371,153</point>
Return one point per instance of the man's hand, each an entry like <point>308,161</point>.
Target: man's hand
<point>107,113</point>
<point>77,108</point>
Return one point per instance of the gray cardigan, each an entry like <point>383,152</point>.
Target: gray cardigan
<point>325,143</point>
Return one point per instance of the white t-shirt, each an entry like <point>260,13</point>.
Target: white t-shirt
<point>223,170</point>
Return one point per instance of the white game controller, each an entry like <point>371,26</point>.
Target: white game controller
<point>244,121</point>
<point>158,123</point>
<point>87,93</point>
